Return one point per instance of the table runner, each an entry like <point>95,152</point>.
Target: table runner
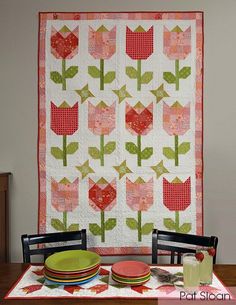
<point>120,126</point>
<point>32,285</point>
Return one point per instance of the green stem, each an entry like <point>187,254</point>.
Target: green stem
<point>176,150</point>
<point>103,226</point>
<point>65,220</point>
<point>101,74</point>
<point>63,74</point>
<point>102,149</point>
<point>177,74</point>
<point>64,151</point>
<point>177,221</point>
<point>139,75</point>
<point>139,226</point>
<point>139,150</point>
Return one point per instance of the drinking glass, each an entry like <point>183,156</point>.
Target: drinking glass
<point>206,267</point>
<point>191,270</point>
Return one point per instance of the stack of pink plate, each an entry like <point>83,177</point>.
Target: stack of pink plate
<point>131,273</point>
<point>73,267</point>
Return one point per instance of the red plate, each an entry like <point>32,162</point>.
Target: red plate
<point>130,269</point>
<point>69,276</point>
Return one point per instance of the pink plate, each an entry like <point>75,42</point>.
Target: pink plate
<point>130,269</point>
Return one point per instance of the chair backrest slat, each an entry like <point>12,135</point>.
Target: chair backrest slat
<point>52,238</point>
<point>175,249</point>
<point>179,243</point>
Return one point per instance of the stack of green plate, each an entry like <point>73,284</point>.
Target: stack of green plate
<point>72,267</point>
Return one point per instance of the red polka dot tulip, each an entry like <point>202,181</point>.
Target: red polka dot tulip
<point>177,197</point>
<point>139,46</point>
<point>139,43</point>
<point>64,121</point>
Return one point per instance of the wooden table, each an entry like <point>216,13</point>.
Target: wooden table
<point>9,273</point>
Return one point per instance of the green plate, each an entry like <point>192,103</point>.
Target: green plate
<point>72,260</point>
<point>130,281</point>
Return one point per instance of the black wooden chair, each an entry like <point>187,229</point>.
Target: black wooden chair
<point>178,243</point>
<point>73,240</point>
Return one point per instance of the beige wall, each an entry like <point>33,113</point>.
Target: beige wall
<point>18,111</point>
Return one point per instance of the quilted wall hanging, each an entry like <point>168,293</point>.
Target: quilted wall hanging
<point>120,126</point>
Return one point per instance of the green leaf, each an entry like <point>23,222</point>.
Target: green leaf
<point>146,153</point>
<point>56,77</point>
<point>110,223</point>
<point>131,72</point>
<point>105,279</point>
<point>73,227</point>
<point>72,148</point>
<point>118,286</point>
<point>57,224</point>
<point>131,148</point>
<point>71,71</point>
<point>132,223</point>
<point>94,152</point>
<point>185,228</point>
<point>185,72</point>
<point>146,77</point>
<point>147,228</point>
<point>184,148</point>
<point>169,77</point>
<point>168,153</point>
<point>54,286</point>
<point>41,280</point>
<point>169,223</point>
<point>179,274</point>
<point>57,152</point>
<point>94,71</point>
<point>109,77</point>
<point>95,229</point>
<point>109,147</point>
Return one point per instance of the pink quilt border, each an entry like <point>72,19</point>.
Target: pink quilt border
<point>41,156</point>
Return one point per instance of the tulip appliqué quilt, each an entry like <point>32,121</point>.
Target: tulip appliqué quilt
<point>120,126</point>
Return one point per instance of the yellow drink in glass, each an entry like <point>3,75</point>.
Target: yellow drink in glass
<point>191,270</point>
<point>206,268</point>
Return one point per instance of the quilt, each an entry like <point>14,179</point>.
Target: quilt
<point>120,126</point>
<point>32,285</point>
